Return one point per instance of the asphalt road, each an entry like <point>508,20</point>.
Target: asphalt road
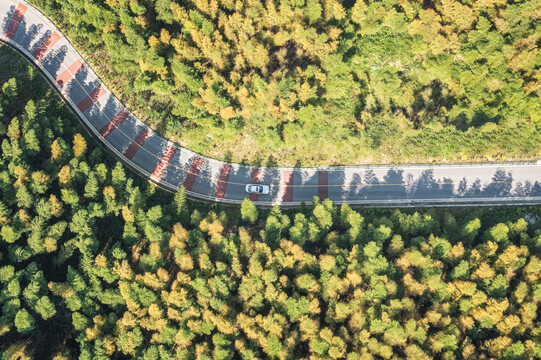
<point>170,166</point>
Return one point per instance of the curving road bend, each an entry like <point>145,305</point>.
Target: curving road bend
<point>28,31</point>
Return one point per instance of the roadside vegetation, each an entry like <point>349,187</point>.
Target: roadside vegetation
<point>367,81</point>
<point>96,263</point>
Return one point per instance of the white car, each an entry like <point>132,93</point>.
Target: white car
<point>257,189</point>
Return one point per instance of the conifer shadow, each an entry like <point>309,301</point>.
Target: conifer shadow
<point>353,187</point>
<point>425,186</point>
<point>271,175</point>
<point>31,33</point>
<point>82,85</point>
<point>52,62</point>
<point>500,186</point>
<point>394,180</point>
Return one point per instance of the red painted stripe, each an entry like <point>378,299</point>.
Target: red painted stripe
<point>45,46</point>
<point>192,173</point>
<point>256,179</point>
<point>114,123</point>
<point>164,161</point>
<point>287,177</point>
<point>222,181</point>
<point>15,21</point>
<point>323,184</point>
<point>137,143</point>
<point>91,98</point>
<point>69,72</point>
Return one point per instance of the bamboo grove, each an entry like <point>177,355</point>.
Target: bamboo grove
<point>98,264</point>
<point>369,81</point>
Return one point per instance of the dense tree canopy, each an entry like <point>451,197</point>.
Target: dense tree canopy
<point>96,264</point>
<point>366,80</point>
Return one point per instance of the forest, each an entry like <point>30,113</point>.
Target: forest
<point>368,81</point>
<point>97,263</point>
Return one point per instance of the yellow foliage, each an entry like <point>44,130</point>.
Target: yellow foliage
<point>460,16</point>
<point>113,3</point>
<point>153,324</point>
<point>457,252</point>
<point>327,262</point>
<point>493,310</point>
<point>391,287</point>
<point>56,206</point>
<point>179,13</point>
<point>151,280</point>
<point>165,37</point>
<point>49,244</point>
<point>468,351</point>
<point>433,317</point>
<point>333,32</point>
<point>185,262</point>
<point>24,217</point>
<point>163,275</point>
<point>222,325</point>
<point>79,145</point>
<point>532,271</point>
<point>182,340</point>
<point>459,288</point>
<point>508,324</point>
<point>19,350</point>
<point>177,298</point>
<point>142,21</point>
<point>183,278</point>
<point>521,292</point>
<point>127,214</point>
<point>155,312</point>
<point>213,228</point>
<point>489,249</point>
<point>413,286</point>
<point>484,271</point>
<point>496,346</point>
<point>155,250</point>
<point>305,92</point>
<point>153,42</point>
<point>179,237</point>
<point>511,257</point>
<point>174,314</point>
<point>40,177</point>
<point>91,333</point>
<point>334,10</point>
<point>60,357</point>
<point>354,278</point>
<point>13,130</point>
<point>100,261</point>
<point>466,322</point>
<point>60,289</point>
<point>227,113</point>
<point>128,320</point>
<point>109,28</point>
<point>56,150</point>
<point>109,345</point>
<point>109,191</point>
<point>358,12</point>
<point>479,298</point>
<point>123,270</point>
<point>99,320</point>
<point>64,176</point>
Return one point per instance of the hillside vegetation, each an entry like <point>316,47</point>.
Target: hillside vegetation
<point>96,264</point>
<point>367,81</point>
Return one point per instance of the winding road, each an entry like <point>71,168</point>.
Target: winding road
<point>29,32</point>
